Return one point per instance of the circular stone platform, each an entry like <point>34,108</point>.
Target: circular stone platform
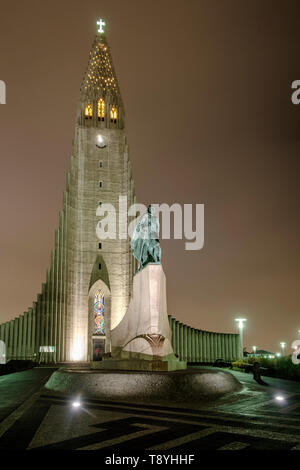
<point>188,386</point>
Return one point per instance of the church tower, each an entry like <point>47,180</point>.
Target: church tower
<point>88,285</point>
<point>98,272</point>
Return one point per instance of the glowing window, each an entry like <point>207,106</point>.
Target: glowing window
<point>113,114</point>
<point>88,111</point>
<point>101,109</point>
<point>99,314</point>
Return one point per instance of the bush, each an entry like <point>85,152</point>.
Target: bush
<point>281,367</point>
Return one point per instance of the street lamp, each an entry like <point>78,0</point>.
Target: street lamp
<point>283,344</point>
<point>240,322</point>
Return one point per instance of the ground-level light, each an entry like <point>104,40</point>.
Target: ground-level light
<point>76,404</point>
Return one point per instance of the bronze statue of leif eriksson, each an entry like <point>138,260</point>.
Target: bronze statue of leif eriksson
<point>145,240</point>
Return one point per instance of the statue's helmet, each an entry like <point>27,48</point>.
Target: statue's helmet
<point>151,209</point>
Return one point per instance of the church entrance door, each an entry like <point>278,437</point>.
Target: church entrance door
<point>98,348</point>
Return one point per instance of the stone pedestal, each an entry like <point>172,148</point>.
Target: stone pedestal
<point>142,340</point>
<point>184,388</point>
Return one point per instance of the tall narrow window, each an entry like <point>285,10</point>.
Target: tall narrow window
<point>101,109</point>
<point>100,184</point>
<point>99,314</point>
<point>101,164</point>
<point>113,114</point>
<point>88,111</point>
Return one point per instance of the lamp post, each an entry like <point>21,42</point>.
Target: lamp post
<point>283,344</point>
<point>240,322</point>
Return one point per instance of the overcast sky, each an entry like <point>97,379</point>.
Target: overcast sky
<point>207,93</point>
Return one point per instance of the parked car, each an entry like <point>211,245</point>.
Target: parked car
<point>222,363</point>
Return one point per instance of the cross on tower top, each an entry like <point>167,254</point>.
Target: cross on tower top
<point>101,24</point>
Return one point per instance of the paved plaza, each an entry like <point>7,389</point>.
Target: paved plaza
<point>253,419</point>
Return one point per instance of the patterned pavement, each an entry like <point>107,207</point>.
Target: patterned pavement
<point>253,420</point>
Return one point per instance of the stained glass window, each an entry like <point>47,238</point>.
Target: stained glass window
<point>99,314</point>
<point>88,111</point>
<point>101,109</point>
<point>113,114</point>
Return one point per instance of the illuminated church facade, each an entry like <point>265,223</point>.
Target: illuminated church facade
<point>89,283</point>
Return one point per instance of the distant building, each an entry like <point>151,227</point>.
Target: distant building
<point>261,353</point>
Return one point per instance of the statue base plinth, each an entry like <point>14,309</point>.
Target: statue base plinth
<point>139,364</point>
<point>142,340</point>
<point>183,388</point>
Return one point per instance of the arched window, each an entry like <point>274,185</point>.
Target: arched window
<point>99,314</point>
<point>113,114</point>
<point>101,109</point>
<point>88,111</point>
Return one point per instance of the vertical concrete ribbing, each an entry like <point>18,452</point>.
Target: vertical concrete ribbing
<point>216,345</point>
<point>20,337</point>
<point>226,346</point>
<point>33,331</point>
<point>205,356</point>
<point>29,334</point>
<point>59,281</point>
<point>9,353</point>
<point>174,342</point>
<point>222,346</point>
<point>219,345</point>
<point>24,335</point>
<point>64,277</point>
<point>16,337</point>
<point>43,318</point>
<point>6,335</point>
<point>198,346</point>
<point>188,344</point>
<point>177,338</point>
<point>185,341</point>
<point>38,323</point>
<point>47,343</point>
<point>211,347</point>
<point>201,346</point>
<point>193,341</point>
<point>52,303</point>
<point>237,345</point>
<point>181,342</point>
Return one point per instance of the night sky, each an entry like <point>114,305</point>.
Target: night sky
<point>209,118</point>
